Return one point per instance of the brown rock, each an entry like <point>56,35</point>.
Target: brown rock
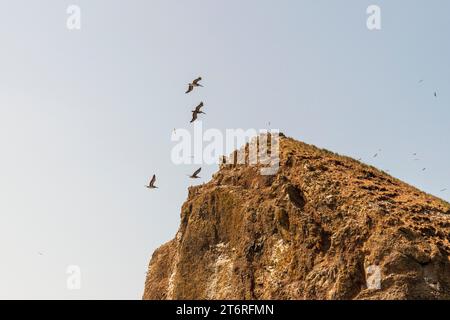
<point>310,232</point>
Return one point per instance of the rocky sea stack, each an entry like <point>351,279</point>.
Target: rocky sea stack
<point>317,229</point>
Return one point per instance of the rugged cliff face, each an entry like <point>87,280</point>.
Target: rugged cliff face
<point>324,227</point>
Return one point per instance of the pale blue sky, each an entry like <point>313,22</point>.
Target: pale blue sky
<point>86,116</point>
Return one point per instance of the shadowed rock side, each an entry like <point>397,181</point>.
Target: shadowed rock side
<point>309,232</point>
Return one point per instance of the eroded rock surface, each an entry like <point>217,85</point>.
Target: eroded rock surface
<point>315,230</point>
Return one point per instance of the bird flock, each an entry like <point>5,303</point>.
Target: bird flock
<point>414,154</point>
<point>198,110</point>
<point>191,86</point>
<point>415,159</point>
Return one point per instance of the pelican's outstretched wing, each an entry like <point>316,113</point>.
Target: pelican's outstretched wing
<point>196,81</point>
<point>152,182</point>
<point>197,172</point>
<point>194,116</point>
<point>197,109</point>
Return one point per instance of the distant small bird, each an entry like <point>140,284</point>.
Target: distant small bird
<point>40,253</point>
<point>151,184</point>
<point>375,155</point>
<point>444,190</point>
<point>194,84</point>
<point>435,94</point>
<point>424,169</point>
<point>197,111</point>
<point>195,174</point>
<point>420,81</point>
<point>414,154</point>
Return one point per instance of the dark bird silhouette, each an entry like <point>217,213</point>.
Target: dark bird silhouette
<point>424,169</point>
<point>194,84</point>
<point>444,190</point>
<point>420,81</point>
<point>151,184</point>
<point>194,117</point>
<point>375,155</point>
<point>435,94</point>
<point>195,174</point>
<point>197,111</point>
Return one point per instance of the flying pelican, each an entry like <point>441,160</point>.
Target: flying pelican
<point>195,174</point>
<point>444,190</point>
<point>197,111</point>
<point>424,169</point>
<point>375,155</point>
<point>151,184</point>
<point>435,94</point>
<point>194,84</point>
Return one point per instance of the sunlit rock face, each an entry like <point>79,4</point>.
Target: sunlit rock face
<point>324,227</point>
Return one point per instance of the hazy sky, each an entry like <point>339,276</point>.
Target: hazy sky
<point>86,116</point>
